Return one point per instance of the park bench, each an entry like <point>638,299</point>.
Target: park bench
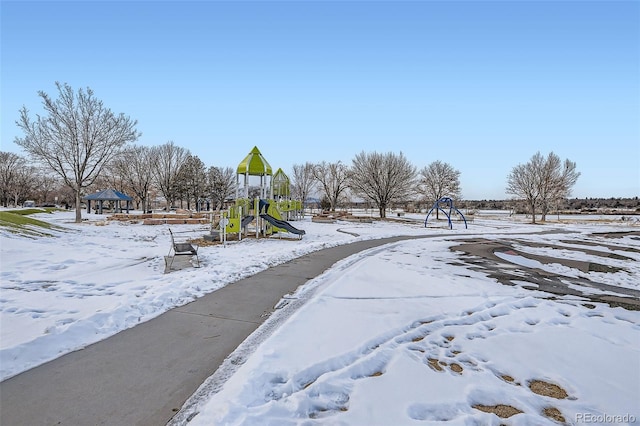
<point>181,247</point>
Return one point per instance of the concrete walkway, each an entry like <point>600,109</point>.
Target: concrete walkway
<point>143,376</point>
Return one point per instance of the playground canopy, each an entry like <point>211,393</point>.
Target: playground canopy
<point>107,195</point>
<point>254,164</point>
<point>281,185</point>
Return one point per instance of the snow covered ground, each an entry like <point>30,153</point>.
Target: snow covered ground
<point>408,333</point>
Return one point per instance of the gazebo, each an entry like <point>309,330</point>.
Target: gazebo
<point>107,195</point>
<point>254,164</point>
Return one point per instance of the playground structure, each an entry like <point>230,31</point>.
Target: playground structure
<point>267,206</point>
<point>448,202</point>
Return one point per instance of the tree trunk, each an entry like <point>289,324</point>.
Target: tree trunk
<point>78,207</point>
<point>533,212</point>
<point>383,211</point>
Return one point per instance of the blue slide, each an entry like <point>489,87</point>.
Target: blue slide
<point>246,220</point>
<point>281,224</point>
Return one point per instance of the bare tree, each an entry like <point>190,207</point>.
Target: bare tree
<point>111,178</point>
<point>221,184</point>
<point>166,162</point>
<point>524,182</point>
<point>556,180</point>
<point>18,179</point>
<point>66,195</point>
<point>45,184</point>
<point>76,138</point>
<point>24,185</point>
<point>382,178</point>
<point>541,181</point>
<point>10,166</point>
<point>333,178</point>
<point>191,180</point>
<point>134,167</point>
<point>303,181</point>
<point>437,180</point>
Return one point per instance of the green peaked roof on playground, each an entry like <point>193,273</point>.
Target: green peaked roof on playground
<point>255,164</point>
<point>280,177</point>
<point>281,184</point>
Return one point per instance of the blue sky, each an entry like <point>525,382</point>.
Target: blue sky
<point>482,85</point>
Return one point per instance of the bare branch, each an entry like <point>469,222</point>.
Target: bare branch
<point>333,180</point>
<point>76,137</point>
<point>303,181</point>
<point>542,181</point>
<point>167,160</point>
<point>382,178</point>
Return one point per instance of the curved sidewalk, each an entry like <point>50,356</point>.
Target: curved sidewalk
<point>143,375</point>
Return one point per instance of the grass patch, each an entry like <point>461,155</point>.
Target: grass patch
<point>17,222</point>
<point>27,212</point>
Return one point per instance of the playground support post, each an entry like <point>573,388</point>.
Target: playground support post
<point>240,219</point>
<point>223,225</point>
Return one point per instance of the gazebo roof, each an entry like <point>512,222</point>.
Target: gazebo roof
<point>254,164</point>
<point>108,195</point>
